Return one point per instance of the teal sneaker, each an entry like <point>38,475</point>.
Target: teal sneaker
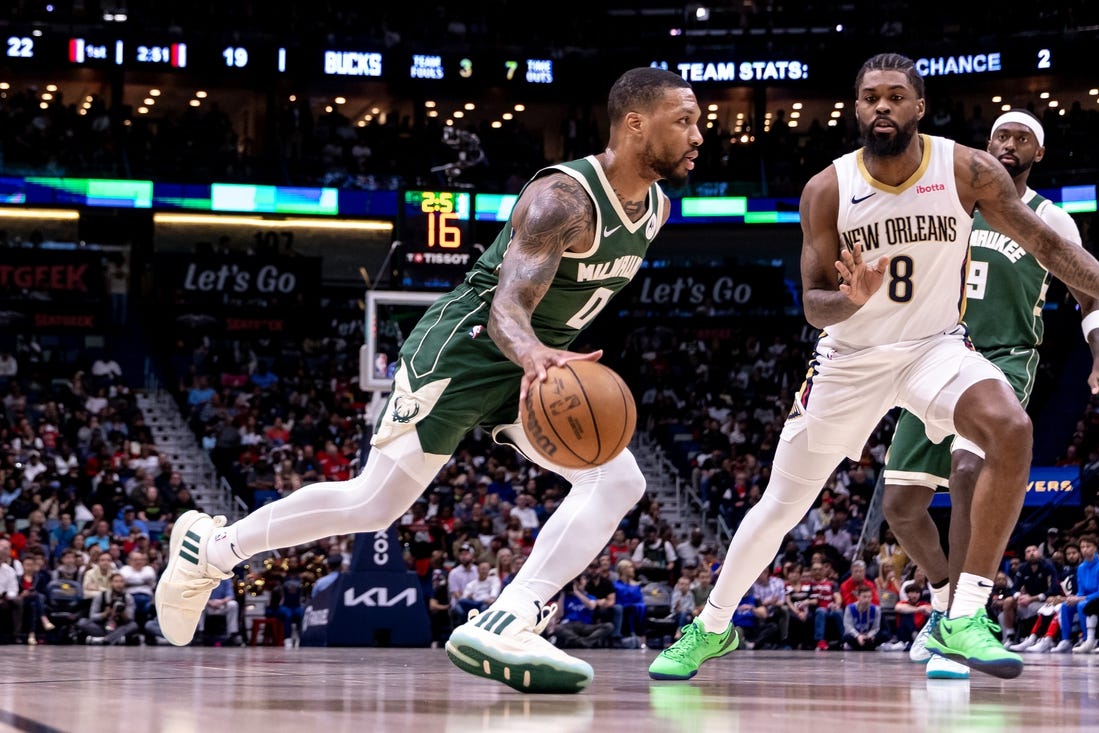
<point>682,659</point>
<point>918,653</point>
<point>498,645</point>
<point>974,642</point>
<point>941,668</point>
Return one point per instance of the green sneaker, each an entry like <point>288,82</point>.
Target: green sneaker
<point>973,641</point>
<point>682,659</point>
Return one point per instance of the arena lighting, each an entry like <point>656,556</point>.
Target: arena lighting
<point>256,221</point>
<point>51,214</point>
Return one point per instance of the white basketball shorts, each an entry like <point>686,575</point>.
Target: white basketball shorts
<point>846,393</point>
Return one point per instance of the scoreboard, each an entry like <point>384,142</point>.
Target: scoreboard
<point>218,53</point>
<point>132,50</point>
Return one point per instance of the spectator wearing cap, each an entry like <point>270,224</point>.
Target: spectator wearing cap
<point>1051,543</point>
<point>459,577</point>
<point>126,520</point>
<point>481,592</point>
<point>33,468</point>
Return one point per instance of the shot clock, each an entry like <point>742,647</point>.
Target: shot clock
<point>436,230</point>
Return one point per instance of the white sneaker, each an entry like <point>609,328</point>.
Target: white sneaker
<point>188,580</point>
<point>1084,647</point>
<point>1041,646</point>
<point>918,651</point>
<point>1064,646</point>
<point>501,646</point>
<point>1024,644</point>
<point>941,668</point>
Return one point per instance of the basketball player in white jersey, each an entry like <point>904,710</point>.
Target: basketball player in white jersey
<point>886,239</point>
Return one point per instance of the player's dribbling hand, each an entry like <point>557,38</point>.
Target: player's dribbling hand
<point>859,279</point>
<point>535,365</point>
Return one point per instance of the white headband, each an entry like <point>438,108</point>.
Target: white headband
<point>1026,121</point>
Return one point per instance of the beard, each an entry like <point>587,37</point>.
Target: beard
<point>885,146</point>
<point>667,170</point>
<point>1015,169</point>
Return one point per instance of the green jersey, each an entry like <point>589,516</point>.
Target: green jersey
<point>1006,287</point>
<point>585,282</point>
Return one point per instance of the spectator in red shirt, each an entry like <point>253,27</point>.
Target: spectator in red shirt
<point>17,539</point>
<point>826,601</point>
<point>334,465</point>
<point>277,434</point>
<point>619,546</point>
<point>849,589</point>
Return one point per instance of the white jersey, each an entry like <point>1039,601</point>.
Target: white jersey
<point>923,229</point>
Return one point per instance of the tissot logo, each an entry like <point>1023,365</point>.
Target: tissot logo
<point>930,187</point>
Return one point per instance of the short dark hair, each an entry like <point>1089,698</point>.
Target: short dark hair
<point>1089,538</point>
<point>640,89</point>
<point>891,62</point>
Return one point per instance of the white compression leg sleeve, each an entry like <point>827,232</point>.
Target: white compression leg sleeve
<point>396,473</point>
<point>797,477</point>
<point>577,532</point>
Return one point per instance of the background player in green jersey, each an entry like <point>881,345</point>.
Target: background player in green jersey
<point>575,237</point>
<point>1005,292</point>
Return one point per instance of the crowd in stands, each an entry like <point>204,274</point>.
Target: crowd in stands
<point>86,495</point>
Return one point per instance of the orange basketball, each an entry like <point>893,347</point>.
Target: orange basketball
<point>582,416</point>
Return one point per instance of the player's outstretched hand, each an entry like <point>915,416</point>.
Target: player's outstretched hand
<point>858,279</point>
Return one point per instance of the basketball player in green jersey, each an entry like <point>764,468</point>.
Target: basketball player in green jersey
<point>1005,292</point>
<point>576,236</point>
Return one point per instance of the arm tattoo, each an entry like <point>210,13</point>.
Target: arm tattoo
<point>559,216</point>
<point>999,201</point>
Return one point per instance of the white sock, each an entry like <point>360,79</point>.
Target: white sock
<point>576,533</point>
<point>223,550</point>
<point>764,527</point>
<point>1091,622</point>
<point>940,597</point>
<point>971,595</point>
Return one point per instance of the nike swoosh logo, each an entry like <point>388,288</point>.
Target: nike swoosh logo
<point>608,232</point>
<point>983,585</point>
<point>859,201</point>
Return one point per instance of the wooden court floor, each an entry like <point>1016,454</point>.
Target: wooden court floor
<point>47,689</point>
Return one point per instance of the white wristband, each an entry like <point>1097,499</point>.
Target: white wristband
<point>1089,323</point>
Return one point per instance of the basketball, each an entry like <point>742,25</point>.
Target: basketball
<point>582,416</point>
